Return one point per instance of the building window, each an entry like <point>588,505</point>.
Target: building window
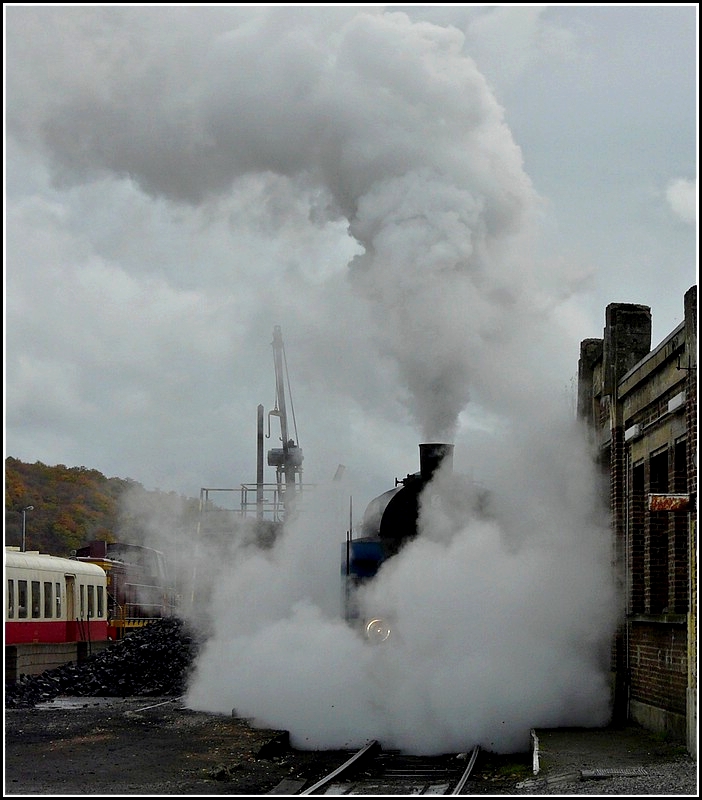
<point>657,555</point>
<point>638,539</point>
<point>679,600</point>
<point>680,466</point>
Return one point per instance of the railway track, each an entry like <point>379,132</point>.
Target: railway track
<point>372,771</point>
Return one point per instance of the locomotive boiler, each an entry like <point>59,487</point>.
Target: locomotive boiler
<point>389,522</point>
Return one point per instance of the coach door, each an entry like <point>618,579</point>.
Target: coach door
<point>70,608</point>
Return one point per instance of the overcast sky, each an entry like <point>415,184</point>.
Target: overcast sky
<point>435,203</point>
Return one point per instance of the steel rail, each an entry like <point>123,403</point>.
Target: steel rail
<point>371,747</point>
<point>458,788</point>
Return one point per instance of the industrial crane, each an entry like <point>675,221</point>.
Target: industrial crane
<point>275,503</point>
<point>286,459</point>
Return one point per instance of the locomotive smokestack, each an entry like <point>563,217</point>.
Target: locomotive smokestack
<point>431,456</point>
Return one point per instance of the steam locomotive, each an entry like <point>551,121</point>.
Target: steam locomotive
<point>389,522</point>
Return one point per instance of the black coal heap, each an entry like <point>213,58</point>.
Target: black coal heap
<point>152,662</point>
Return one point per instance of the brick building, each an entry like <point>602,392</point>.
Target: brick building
<point>641,409</point>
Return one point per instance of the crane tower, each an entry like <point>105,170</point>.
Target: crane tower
<point>286,459</point>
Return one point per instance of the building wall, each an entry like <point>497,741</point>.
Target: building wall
<point>641,409</point>
<point>34,659</point>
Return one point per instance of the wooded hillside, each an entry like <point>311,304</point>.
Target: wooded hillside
<point>75,505</point>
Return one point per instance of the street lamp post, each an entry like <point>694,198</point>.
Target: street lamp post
<point>24,525</point>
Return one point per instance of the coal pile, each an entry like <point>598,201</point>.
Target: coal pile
<point>154,661</point>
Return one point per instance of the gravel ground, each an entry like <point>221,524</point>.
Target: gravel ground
<point>607,760</point>
<point>115,725</point>
<point>677,777</point>
<point>153,746</point>
<point>145,746</point>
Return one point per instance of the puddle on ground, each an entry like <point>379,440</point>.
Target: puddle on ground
<point>127,704</point>
<point>68,703</point>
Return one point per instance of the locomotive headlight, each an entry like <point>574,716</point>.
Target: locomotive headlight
<point>377,630</point>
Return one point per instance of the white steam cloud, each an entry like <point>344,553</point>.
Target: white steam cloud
<point>503,621</point>
<point>500,619</point>
<point>681,195</point>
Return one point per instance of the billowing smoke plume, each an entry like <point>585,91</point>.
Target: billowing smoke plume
<point>502,618</point>
<point>388,120</point>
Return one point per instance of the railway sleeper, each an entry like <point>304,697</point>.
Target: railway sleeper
<point>373,772</point>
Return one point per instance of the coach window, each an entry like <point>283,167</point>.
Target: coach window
<point>22,599</point>
<point>58,600</point>
<point>82,601</point>
<point>10,599</point>
<point>48,599</point>
<point>100,602</point>
<point>91,602</point>
<point>36,599</point>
